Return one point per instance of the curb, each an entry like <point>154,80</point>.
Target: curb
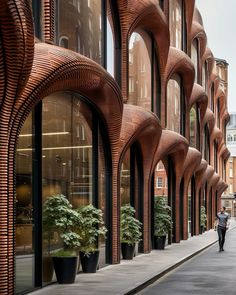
<point>172,267</point>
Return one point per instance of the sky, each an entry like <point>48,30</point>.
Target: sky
<point>219,21</point>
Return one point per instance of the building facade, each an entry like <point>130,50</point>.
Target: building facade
<point>107,102</point>
<point>229,198</point>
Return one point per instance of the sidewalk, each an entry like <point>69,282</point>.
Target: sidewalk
<point>131,276</point>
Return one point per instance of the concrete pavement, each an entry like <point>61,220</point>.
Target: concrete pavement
<point>211,272</point>
<point>132,276</point>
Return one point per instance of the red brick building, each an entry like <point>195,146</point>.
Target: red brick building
<point>68,126</point>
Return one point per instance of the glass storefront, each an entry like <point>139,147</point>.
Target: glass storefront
<point>189,209</point>
<point>173,113</point>
<point>139,73</point>
<point>125,180</point>
<point>24,210</point>
<point>79,27</point>
<point>69,157</point>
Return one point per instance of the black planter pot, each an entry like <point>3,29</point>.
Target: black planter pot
<point>202,229</point>
<point>65,269</point>
<point>89,262</point>
<point>159,243</point>
<point>127,251</point>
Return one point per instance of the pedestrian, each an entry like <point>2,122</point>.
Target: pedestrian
<point>222,226</point>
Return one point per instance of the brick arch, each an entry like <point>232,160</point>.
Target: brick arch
<point>16,56</point>
<point>144,128</point>
<point>143,15</point>
<point>198,32</point>
<point>179,63</point>
<point>175,146</point>
<point>200,97</point>
<point>209,57</point>
<point>190,166</point>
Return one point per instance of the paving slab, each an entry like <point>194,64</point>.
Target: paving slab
<point>129,277</point>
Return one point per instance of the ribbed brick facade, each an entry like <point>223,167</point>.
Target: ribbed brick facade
<point>30,70</point>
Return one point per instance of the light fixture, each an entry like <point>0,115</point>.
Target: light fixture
<point>58,148</point>
<point>45,134</point>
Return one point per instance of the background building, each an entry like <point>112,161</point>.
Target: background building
<point>155,125</point>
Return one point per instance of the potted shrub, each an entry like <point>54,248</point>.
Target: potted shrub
<point>61,218</point>
<point>203,218</point>
<point>130,231</point>
<point>162,222</point>
<point>91,229</point>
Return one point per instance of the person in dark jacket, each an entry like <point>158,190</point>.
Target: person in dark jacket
<point>223,225</point>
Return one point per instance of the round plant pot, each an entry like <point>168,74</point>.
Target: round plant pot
<point>65,269</point>
<point>159,243</point>
<point>89,262</point>
<point>47,269</point>
<point>202,228</point>
<point>127,251</point>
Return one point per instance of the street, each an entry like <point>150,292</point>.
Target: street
<point>211,272</point>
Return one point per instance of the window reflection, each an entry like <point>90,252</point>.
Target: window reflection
<point>175,23</point>
<point>24,210</point>
<point>139,73</point>
<point>125,180</point>
<point>79,27</point>
<point>173,113</point>
<point>194,57</point>
<point>110,49</point>
<point>193,128</point>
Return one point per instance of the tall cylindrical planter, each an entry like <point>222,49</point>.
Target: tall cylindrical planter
<point>127,251</point>
<point>159,242</point>
<point>65,269</point>
<point>89,262</point>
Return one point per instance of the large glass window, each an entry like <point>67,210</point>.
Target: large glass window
<point>207,144</point>
<point>139,73</point>
<point>175,23</point>
<point>194,139</point>
<point>161,187</point>
<point>110,49</point>
<point>70,157</point>
<point>212,102</point>
<point>194,57</point>
<point>173,113</point>
<point>125,180</point>
<point>24,210</point>
<point>79,27</point>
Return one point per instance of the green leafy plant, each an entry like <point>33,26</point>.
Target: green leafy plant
<point>203,216</point>
<point>91,229</point>
<point>58,216</point>
<point>162,217</point>
<point>130,227</point>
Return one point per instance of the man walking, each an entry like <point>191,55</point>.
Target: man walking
<point>223,225</point>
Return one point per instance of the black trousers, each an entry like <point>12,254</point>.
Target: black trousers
<point>221,234</point>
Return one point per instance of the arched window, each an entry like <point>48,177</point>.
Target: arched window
<point>194,139</point>
<point>215,156</point>
<point>218,113</point>
<point>212,95</point>
<point>175,105</point>
<point>207,144</point>
<point>139,73</point>
<point>110,49</point>
<point>81,24</point>
<point>60,151</point>
<point>194,57</point>
<point>205,76</point>
<point>176,23</point>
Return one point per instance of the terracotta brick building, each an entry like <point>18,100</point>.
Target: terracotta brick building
<point>107,102</point>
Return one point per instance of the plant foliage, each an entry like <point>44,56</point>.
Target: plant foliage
<point>91,229</point>
<point>203,216</point>
<point>130,227</point>
<point>162,217</point>
<point>58,216</point>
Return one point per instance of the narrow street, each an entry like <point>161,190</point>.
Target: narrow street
<point>210,272</point>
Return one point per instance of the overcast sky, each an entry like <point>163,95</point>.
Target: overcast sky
<point>219,21</point>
